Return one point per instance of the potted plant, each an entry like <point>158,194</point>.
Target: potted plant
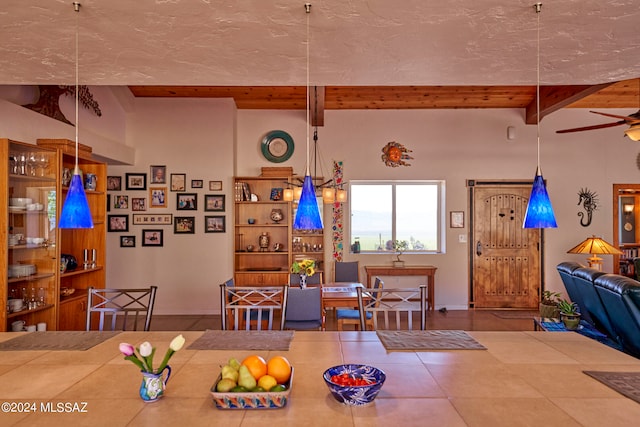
<point>569,314</point>
<point>549,305</point>
<point>399,246</point>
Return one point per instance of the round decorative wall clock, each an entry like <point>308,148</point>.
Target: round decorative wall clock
<point>277,146</point>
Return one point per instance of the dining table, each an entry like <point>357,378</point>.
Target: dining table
<point>340,295</point>
<point>519,378</point>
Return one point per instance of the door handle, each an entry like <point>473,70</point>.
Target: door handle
<point>478,248</point>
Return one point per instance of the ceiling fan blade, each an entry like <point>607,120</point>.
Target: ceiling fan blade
<point>615,116</point>
<point>602,126</point>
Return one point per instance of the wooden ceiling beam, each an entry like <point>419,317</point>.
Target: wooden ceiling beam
<point>554,98</point>
<point>316,105</point>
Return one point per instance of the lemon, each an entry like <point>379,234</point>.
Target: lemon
<point>267,382</point>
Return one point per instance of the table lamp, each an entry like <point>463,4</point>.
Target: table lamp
<point>595,246</point>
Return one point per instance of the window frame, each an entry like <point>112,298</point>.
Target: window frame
<point>441,213</point>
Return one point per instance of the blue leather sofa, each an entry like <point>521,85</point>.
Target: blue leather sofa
<point>620,296</point>
<point>566,269</point>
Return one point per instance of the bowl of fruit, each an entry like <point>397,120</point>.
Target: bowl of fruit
<point>354,384</point>
<point>253,383</point>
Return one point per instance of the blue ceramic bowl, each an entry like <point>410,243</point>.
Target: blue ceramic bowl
<point>355,395</point>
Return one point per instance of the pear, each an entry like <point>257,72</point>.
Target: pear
<point>229,372</point>
<point>225,384</point>
<point>234,363</point>
<point>245,379</point>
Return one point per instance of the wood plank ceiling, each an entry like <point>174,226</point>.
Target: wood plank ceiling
<point>623,94</point>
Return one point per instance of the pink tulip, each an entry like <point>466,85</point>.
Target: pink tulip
<point>126,349</point>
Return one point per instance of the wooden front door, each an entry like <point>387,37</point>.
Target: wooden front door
<point>505,257</point>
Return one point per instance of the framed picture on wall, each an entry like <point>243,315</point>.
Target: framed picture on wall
<point>184,225</point>
<point>121,202</point>
<point>152,219</point>
<point>158,197</point>
<point>152,237</point>
<point>215,185</point>
<point>136,181</point>
<point>158,174</point>
<point>118,223</point>
<point>214,202</point>
<point>196,183</point>
<point>178,182</point>
<point>138,203</point>
<point>127,241</point>
<point>187,202</point>
<point>214,224</point>
<point>457,219</point>
<point>114,183</point>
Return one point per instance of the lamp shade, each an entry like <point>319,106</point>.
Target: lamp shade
<point>307,215</point>
<point>633,133</point>
<point>75,210</point>
<point>539,210</point>
<point>594,245</point>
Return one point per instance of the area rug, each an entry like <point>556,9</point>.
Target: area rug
<point>428,340</point>
<point>57,340</point>
<point>625,383</point>
<point>516,314</point>
<point>243,340</point>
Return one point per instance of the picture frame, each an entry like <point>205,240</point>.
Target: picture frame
<point>127,241</point>
<point>117,223</point>
<point>152,237</point>
<point>276,194</point>
<point>158,174</point>
<point>114,183</point>
<point>108,202</point>
<point>214,202</point>
<point>136,181</point>
<point>178,182</point>
<point>184,225</point>
<point>215,185</point>
<point>456,219</point>
<point>157,197</point>
<point>215,224</point>
<point>120,201</point>
<point>138,204</point>
<point>196,183</point>
<point>187,201</point>
<point>152,219</point>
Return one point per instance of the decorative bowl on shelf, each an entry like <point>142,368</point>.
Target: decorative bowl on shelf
<point>355,395</point>
<point>65,292</point>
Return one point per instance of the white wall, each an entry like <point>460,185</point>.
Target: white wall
<point>211,140</point>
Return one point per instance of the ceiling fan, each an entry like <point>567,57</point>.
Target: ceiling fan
<point>632,120</point>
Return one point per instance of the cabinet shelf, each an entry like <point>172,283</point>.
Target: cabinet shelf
<point>80,271</point>
<point>27,311</point>
<point>273,224</point>
<point>27,246</point>
<point>253,253</point>
<point>29,178</point>
<point>30,278</point>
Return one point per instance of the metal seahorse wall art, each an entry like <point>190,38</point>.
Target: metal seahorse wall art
<point>589,201</point>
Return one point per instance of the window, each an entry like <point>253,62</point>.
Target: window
<point>384,211</point>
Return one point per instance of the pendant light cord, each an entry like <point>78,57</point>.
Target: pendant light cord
<point>307,7</point>
<point>76,6</point>
<point>538,7</point>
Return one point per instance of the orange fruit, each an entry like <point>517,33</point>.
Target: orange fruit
<point>279,368</point>
<point>256,365</point>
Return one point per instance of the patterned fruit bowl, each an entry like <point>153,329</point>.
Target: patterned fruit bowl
<point>354,384</point>
<point>250,399</point>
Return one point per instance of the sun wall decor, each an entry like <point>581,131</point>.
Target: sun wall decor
<point>395,154</point>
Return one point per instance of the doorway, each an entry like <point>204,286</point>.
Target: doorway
<point>626,220</point>
<point>505,259</point>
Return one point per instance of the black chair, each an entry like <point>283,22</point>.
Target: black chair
<point>251,307</point>
<point>584,278</point>
<point>124,306</point>
<point>621,297</point>
<point>348,271</point>
<point>566,269</point>
<point>304,308</point>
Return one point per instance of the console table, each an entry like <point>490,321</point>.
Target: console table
<point>428,271</point>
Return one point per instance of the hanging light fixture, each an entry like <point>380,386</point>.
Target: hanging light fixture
<point>307,215</point>
<point>539,212</point>
<point>75,210</point>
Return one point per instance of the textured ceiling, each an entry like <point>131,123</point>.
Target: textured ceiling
<point>352,43</point>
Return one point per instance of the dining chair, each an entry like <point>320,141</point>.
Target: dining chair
<point>351,316</point>
<point>122,308</point>
<point>314,279</point>
<point>304,308</point>
<point>397,303</point>
<point>346,271</point>
<point>249,307</point>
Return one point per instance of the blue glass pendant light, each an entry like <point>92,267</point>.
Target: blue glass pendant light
<point>539,212</point>
<point>75,210</point>
<point>307,215</point>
